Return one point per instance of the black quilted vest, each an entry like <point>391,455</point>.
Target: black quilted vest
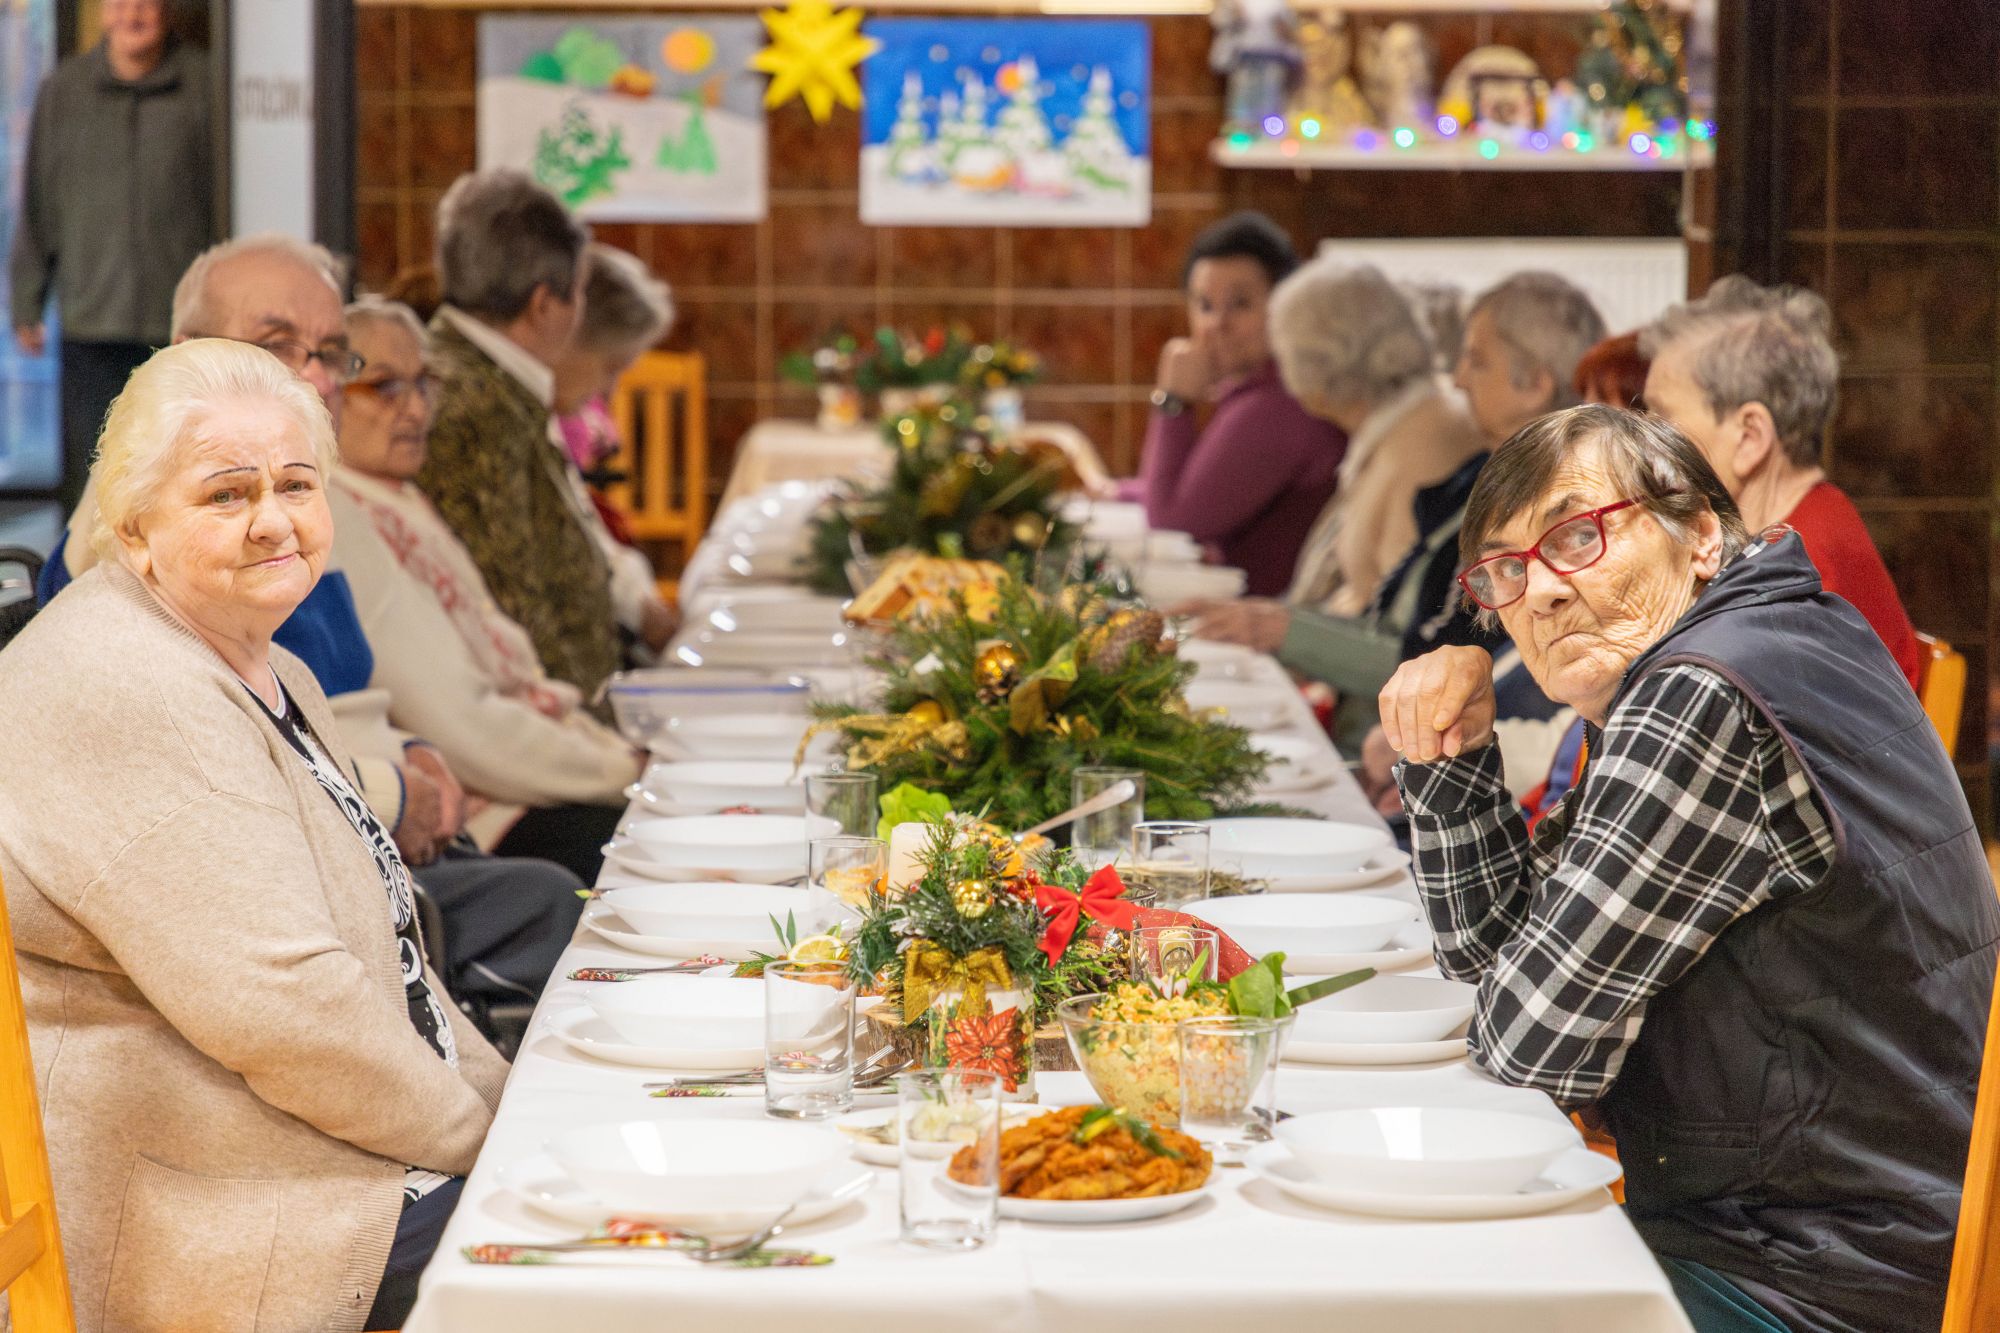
<point>1796,1110</point>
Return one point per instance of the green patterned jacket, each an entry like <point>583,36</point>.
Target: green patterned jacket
<point>496,478</point>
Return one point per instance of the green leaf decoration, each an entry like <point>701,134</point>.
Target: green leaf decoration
<point>587,59</point>
<point>543,66</point>
<point>907,803</point>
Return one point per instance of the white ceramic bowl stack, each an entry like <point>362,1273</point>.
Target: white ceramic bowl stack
<point>743,614</point>
<point>1387,1020</point>
<point>1307,926</point>
<point>698,787</point>
<point>1291,849</point>
<point>1167,583</point>
<point>651,705</point>
<point>758,849</point>
<point>701,911</point>
<point>715,1013</point>
<point>1295,764</point>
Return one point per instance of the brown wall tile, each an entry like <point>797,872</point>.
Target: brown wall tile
<point>1805,169</point>
<point>1181,138</point>
<point>375,66</point>
<point>375,231</point>
<point>1180,57</point>
<point>919,313</point>
<point>1911,435</point>
<point>1909,305</point>
<point>1807,54</point>
<point>1066,257</point>
<point>821,245</point>
<point>796,324</point>
<point>807,155</point>
<point>1159,252</point>
<point>1927,48</point>
<point>444,50</point>
<point>1920,168</point>
<point>1152,325</point>
<point>377,160</point>
<point>725,333</point>
<point>1078,343</point>
<point>930,257</point>
<point>443,144</point>
<point>1940,562</point>
<point>698,254</point>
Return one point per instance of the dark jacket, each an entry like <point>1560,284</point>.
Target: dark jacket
<point>1797,1108</point>
<point>117,196</point>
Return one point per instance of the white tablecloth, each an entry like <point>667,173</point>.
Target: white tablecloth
<point>780,449</point>
<point>1248,1258</point>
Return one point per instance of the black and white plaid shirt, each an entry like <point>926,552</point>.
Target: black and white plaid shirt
<point>1692,813</point>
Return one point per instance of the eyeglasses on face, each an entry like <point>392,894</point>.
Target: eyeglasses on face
<point>1570,547</point>
<point>340,363</point>
<point>393,391</point>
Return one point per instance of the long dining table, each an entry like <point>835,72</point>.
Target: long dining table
<point>1247,1256</point>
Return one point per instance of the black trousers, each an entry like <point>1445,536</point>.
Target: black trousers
<point>506,922</point>
<point>573,836</point>
<point>418,1231</point>
<point>93,373</point>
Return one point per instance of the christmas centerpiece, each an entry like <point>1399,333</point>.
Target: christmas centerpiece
<point>994,373</point>
<point>994,703</point>
<point>952,491</point>
<point>828,368</point>
<point>907,371</point>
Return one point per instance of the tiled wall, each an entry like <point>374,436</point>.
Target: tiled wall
<point>1096,303</point>
<point>1892,118</point>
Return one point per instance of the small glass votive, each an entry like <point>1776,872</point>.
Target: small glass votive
<point>846,798</point>
<point>1229,1069</point>
<point>808,1040</point>
<point>1164,955</point>
<point>1102,838</point>
<point>851,869</point>
<point>1171,858</point>
<point>948,1170</point>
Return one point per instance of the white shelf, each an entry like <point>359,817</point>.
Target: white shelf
<point>1460,153</point>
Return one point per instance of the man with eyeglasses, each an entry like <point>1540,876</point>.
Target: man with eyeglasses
<point>506,919</point>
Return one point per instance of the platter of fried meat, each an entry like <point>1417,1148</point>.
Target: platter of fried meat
<point>1092,1164</point>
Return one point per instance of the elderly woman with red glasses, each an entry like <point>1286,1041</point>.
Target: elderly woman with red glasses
<point>1758,936</point>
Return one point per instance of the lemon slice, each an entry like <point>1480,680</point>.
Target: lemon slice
<point>828,948</point>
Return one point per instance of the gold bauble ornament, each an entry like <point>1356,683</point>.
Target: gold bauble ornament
<point>972,897</point>
<point>1030,529</point>
<point>996,671</point>
<point>926,711</point>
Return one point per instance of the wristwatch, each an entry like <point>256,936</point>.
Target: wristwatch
<point>1172,404</point>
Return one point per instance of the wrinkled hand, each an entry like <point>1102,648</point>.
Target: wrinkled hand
<point>658,623</point>
<point>34,338</point>
<point>1187,369</point>
<point>1255,622</point>
<point>451,795</point>
<point>1439,705</point>
<point>417,832</point>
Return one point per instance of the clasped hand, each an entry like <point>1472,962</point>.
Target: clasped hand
<point>1439,705</point>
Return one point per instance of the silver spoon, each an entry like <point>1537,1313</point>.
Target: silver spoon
<point>1117,793</point>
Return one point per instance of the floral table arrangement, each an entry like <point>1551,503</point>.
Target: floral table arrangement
<point>995,372</point>
<point>995,700</point>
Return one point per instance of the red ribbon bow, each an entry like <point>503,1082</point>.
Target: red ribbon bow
<point>1102,899</point>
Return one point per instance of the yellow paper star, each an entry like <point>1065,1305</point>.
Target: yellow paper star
<point>812,55</point>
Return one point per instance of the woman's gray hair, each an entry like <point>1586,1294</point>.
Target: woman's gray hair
<point>1547,324</point>
<point>624,305</point>
<point>1649,460</point>
<point>1441,307</point>
<point>1344,331</point>
<point>194,313</point>
<point>1749,344</point>
<point>500,236</point>
<point>168,399</point>
<point>373,309</point>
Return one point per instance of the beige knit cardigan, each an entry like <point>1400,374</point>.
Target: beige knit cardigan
<point>229,1077</point>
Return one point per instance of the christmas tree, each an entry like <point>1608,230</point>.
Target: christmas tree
<point>1096,151</point>
<point>1022,129</point>
<point>909,147</point>
<point>1634,60</point>
<point>948,133</point>
<point>694,152</point>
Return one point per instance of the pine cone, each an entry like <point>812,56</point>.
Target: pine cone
<point>1118,635</point>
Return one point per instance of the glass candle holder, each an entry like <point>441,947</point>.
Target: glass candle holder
<point>1170,857</point>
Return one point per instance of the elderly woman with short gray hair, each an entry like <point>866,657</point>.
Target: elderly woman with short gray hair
<point>225,986</point>
<point>1758,935</point>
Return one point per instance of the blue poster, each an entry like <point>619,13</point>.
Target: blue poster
<point>1007,122</point>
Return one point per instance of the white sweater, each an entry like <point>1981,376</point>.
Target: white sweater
<point>509,733</point>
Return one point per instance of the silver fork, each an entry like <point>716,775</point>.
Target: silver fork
<point>704,1253</point>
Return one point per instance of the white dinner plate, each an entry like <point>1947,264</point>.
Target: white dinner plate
<point>1374,1054</point>
<point>610,928</point>
<point>582,1030</point>
<point>1240,703</point>
<point>540,1181</point>
<point>1382,868</point>
<point>622,856</point>
<point>876,1153</point>
<point>1088,1211</point>
<point>1261,845</point>
<point>1575,1175</point>
<point>1408,947</point>
<point>1295,763</point>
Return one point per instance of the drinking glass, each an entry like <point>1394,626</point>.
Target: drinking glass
<point>808,1040</point>
<point>1102,838</point>
<point>1171,858</point>
<point>848,798</point>
<point>851,869</point>
<point>948,1172</point>
<point>1168,953</point>
<point>1229,1067</point>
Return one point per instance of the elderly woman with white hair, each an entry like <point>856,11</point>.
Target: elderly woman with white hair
<point>458,670</point>
<point>257,1097</point>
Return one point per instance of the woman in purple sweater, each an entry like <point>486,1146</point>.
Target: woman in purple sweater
<point>1251,481</point>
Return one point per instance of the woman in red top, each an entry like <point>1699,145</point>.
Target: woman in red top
<point>1749,373</point>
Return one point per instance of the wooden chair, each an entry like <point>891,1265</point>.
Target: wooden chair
<point>1941,686</point>
<point>661,407</point>
<point>31,1258</point>
<point>1972,1299</point>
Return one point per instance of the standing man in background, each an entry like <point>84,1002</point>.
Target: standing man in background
<point>116,202</point>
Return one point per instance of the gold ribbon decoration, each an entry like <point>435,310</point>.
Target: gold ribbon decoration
<point>874,738</point>
<point>931,969</point>
<point>1042,692</point>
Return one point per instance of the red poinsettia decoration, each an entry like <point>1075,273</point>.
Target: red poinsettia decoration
<point>990,1043</point>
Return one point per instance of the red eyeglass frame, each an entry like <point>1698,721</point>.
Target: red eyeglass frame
<point>1596,516</point>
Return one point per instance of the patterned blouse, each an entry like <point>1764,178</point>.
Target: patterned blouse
<point>426,1013</point>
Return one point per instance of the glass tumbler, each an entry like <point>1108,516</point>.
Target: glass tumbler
<point>808,1040</point>
<point>851,869</point>
<point>1229,1069</point>
<point>1102,838</point>
<point>846,798</point>
<point>948,1169</point>
<point>1163,955</point>
<point>1170,857</point>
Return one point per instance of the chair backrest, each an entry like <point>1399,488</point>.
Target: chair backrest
<point>1941,686</point>
<point>1972,1299</point>
<point>31,1259</point>
<point>661,407</point>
